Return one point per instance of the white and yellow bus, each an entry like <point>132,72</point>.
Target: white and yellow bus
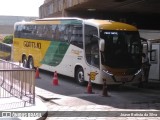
<point>76,47</point>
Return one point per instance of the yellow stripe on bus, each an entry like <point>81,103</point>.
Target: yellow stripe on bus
<point>35,48</point>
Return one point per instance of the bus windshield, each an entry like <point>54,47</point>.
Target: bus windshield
<point>122,49</point>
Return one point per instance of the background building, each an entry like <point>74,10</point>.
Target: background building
<point>142,13</point>
<point>7,23</point>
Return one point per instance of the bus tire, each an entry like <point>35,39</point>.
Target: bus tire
<point>24,62</point>
<point>80,76</point>
<point>31,63</point>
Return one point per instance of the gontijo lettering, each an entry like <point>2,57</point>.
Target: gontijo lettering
<point>32,44</point>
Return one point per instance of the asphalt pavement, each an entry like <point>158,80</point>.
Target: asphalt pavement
<point>65,103</point>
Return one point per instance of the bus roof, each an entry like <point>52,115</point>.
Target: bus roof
<point>102,24</point>
<point>111,25</point>
<point>59,18</point>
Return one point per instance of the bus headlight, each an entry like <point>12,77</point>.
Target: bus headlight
<point>110,74</point>
<point>138,72</point>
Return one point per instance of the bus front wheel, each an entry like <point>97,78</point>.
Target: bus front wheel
<point>80,76</point>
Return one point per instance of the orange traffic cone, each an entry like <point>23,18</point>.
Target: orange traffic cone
<point>55,78</point>
<point>104,91</point>
<point>37,73</point>
<point>89,87</point>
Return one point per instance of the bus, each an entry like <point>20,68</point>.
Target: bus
<point>86,49</point>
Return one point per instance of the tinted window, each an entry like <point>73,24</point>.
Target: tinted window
<point>122,48</point>
<point>71,33</point>
<point>91,46</point>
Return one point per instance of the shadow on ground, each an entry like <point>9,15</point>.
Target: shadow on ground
<point>120,96</point>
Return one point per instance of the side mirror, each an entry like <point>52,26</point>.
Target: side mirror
<point>101,45</point>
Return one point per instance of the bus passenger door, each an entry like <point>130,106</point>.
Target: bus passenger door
<point>92,52</point>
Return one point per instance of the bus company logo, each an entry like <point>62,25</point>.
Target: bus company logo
<point>32,44</point>
<point>77,52</point>
<point>92,75</point>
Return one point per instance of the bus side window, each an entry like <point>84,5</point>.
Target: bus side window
<point>67,33</point>
<point>39,31</point>
<point>57,33</point>
<point>34,31</point>
<point>23,31</point>
<point>18,30</point>
<point>76,37</point>
<point>63,36</point>
<point>48,32</point>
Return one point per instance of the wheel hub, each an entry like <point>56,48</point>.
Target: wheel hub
<point>80,76</point>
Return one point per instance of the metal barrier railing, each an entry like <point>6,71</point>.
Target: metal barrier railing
<point>17,81</point>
